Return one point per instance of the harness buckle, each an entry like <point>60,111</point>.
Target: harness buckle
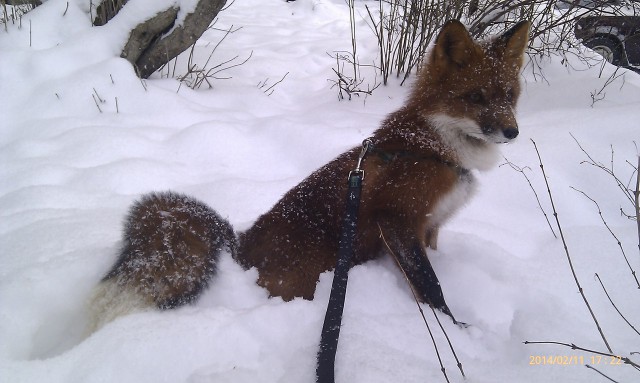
<point>366,146</point>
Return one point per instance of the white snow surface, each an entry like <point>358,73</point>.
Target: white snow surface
<point>69,172</point>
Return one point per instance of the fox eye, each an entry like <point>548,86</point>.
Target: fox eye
<point>476,97</point>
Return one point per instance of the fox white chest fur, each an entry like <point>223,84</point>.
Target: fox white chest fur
<point>471,154</point>
<point>455,199</point>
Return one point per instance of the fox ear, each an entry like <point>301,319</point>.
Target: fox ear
<point>453,45</point>
<point>515,40</point>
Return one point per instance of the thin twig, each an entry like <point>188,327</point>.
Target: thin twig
<point>345,83</point>
<point>269,90</point>
<point>453,351</point>
<point>599,372</point>
<point>633,272</point>
<point>614,305</point>
<point>521,171</point>
<point>621,185</point>
<point>598,95</point>
<point>98,96</point>
<point>228,4</point>
<point>96,101</point>
<point>220,67</point>
<point>632,195</point>
<point>227,32</point>
<point>637,200</point>
<point>566,250</point>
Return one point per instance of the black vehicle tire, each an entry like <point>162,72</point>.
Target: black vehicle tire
<point>608,48</point>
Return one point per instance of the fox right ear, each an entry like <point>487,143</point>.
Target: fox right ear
<point>515,40</point>
<point>453,45</point>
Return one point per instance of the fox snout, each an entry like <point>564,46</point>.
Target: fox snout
<point>498,123</point>
<point>501,134</point>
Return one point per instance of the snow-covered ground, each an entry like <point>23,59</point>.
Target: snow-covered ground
<point>69,172</point>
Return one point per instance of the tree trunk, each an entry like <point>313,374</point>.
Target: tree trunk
<point>158,40</point>
<point>181,37</point>
<point>145,36</point>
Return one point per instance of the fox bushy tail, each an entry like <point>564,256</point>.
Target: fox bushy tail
<point>171,246</point>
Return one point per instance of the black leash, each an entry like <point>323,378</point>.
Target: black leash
<point>333,318</point>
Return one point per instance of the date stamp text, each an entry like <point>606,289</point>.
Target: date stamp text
<point>573,360</point>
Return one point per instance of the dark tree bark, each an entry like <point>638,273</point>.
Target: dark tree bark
<point>145,36</point>
<point>106,10</point>
<point>155,42</point>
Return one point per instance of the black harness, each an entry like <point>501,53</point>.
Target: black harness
<point>388,156</point>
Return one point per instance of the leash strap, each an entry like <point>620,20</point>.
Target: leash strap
<point>333,318</point>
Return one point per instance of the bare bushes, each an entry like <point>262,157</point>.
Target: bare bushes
<point>627,285</point>
<point>349,82</point>
<point>403,30</point>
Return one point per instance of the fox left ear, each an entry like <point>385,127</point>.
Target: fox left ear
<point>515,40</point>
<point>453,45</point>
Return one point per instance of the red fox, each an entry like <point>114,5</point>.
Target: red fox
<point>419,172</point>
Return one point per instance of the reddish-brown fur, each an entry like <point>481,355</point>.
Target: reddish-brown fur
<point>170,249</point>
<point>410,172</point>
<point>418,174</point>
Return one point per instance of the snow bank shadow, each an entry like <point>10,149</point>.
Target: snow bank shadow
<point>61,331</point>
<point>485,285</point>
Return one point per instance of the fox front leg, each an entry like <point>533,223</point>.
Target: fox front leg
<point>411,256</point>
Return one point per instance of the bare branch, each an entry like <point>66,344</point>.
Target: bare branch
<point>633,272</point>
<point>614,305</point>
<point>521,171</point>
<point>599,372</point>
<point>636,196</point>
<point>566,250</point>
<point>621,185</point>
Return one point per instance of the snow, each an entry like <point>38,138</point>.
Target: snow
<point>69,173</point>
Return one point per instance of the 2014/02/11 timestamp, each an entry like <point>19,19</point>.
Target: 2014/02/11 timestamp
<point>569,360</point>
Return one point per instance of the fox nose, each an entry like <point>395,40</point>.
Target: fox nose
<point>510,133</point>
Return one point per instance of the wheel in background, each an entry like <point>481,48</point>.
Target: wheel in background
<point>609,49</point>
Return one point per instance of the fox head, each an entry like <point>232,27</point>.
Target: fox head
<point>469,89</point>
